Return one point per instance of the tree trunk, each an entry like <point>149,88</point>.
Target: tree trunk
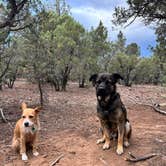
<point>58,7</point>
<point>41,92</point>
<point>82,82</point>
<point>64,83</point>
<point>10,83</point>
<point>0,84</point>
<point>127,80</point>
<point>56,85</point>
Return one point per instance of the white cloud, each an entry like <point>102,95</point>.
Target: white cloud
<point>92,15</point>
<point>136,32</point>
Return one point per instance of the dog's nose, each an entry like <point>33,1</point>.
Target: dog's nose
<point>26,124</point>
<point>101,91</point>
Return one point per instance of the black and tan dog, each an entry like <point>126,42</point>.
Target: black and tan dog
<point>111,111</point>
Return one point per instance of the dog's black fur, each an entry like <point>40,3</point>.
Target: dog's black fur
<point>110,110</point>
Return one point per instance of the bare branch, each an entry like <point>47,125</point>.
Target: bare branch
<point>142,158</point>
<point>103,161</point>
<point>15,9</point>
<point>5,120</point>
<point>19,28</point>
<point>131,21</point>
<point>7,67</point>
<point>57,160</point>
<point>3,116</point>
<point>155,108</point>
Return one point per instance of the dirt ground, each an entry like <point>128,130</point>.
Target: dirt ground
<point>69,126</point>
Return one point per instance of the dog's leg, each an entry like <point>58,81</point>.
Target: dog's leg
<point>127,134</point>
<point>34,147</point>
<point>15,144</point>
<point>101,140</point>
<point>23,148</point>
<point>120,138</point>
<point>107,139</point>
<point>106,133</point>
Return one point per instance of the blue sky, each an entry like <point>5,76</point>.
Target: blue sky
<point>90,12</point>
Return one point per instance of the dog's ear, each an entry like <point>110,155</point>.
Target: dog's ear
<point>23,106</point>
<point>38,109</point>
<point>93,79</point>
<point>115,77</point>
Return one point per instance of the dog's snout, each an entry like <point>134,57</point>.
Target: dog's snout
<point>26,124</point>
<point>101,86</point>
<point>101,90</point>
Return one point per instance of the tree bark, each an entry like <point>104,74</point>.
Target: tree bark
<point>41,92</point>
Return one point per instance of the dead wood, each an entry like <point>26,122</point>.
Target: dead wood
<point>5,120</point>
<point>57,160</point>
<point>133,156</point>
<point>162,104</point>
<point>3,116</point>
<point>157,109</point>
<point>103,161</point>
<point>153,105</point>
<point>142,158</point>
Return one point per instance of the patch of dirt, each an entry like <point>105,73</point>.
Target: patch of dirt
<point>70,126</point>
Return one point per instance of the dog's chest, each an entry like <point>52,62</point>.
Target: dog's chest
<point>29,133</point>
<point>108,115</point>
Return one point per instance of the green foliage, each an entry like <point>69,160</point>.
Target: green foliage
<point>120,45</point>
<point>149,11</point>
<point>133,49</point>
<point>125,65</point>
<point>56,49</point>
<point>148,71</point>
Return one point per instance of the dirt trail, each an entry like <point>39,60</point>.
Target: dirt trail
<point>70,127</point>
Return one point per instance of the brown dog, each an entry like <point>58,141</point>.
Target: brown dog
<point>26,131</point>
<point>111,111</point>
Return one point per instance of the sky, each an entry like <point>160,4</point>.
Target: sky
<point>90,12</point>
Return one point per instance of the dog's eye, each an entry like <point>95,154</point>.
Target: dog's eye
<point>23,117</point>
<point>30,116</point>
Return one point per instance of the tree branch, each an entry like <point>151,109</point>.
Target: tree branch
<point>132,157</point>
<point>7,67</point>
<point>15,9</point>
<point>57,160</point>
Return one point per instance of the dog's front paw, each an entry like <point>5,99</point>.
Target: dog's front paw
<point>99,141</point>
<point>36,153</point>
<point>106,146</point>
<point>126,144</point>
<point>24,157</point>
<point>119,151</point>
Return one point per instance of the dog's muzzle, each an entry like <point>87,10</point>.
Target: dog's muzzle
<point>101,91</point>
<point>26,124</point>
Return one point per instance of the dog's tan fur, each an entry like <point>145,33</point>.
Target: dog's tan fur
<point>26,135</point>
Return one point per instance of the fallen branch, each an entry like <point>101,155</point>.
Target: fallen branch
<point>142,158</point>
<point>3,116</point>
<point>4,119</point>
<point>57,160</point>
<point>132,155</point>
<point>156,109</point>
<point>153,105</point>
<point>163,96</point>
<point>162,104</point>
<point>103,161</point>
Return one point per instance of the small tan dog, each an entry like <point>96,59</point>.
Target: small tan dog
<point>26,131</point>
